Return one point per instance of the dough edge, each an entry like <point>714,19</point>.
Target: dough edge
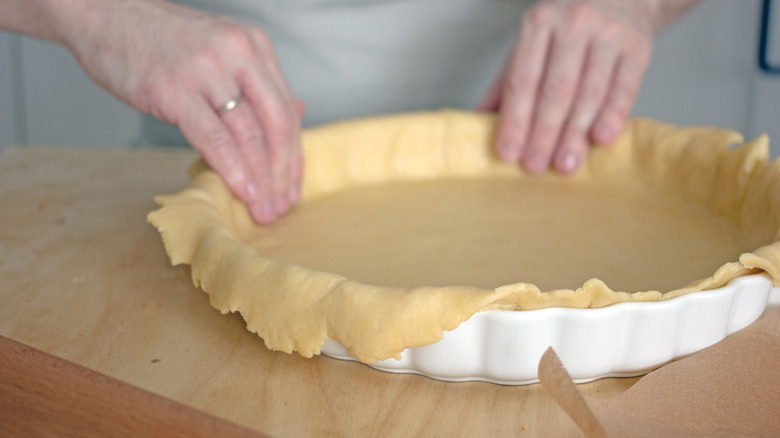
<point>297,309</point>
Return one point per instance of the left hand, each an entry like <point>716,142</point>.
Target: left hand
<point>570,80</point>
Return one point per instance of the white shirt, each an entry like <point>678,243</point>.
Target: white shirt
<point>354,58</point>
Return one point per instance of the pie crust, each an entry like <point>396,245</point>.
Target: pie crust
<point>406,220</point>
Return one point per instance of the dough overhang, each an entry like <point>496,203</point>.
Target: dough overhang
<point>733,191</point>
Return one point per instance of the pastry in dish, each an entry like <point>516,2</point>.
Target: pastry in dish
<point>409,225</point>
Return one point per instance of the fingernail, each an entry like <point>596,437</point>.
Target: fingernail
<point>570,163</point>
<point>266,212</point>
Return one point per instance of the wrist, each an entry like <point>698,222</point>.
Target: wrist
<point>76,22</point>
<point>665,12</point>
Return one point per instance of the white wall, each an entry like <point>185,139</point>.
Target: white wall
<point>766,90</point>
<point>704,72</point>
<point>702,67</point>
<point>8,105</point>
<point>54,102</point>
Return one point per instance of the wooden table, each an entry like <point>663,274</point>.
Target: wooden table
<point>85,278</point>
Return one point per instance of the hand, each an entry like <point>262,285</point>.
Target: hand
<point>570,80</point>
<point>181,65</point>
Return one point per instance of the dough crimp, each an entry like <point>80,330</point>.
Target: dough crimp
<point>297,309</point>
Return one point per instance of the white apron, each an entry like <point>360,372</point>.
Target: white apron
<point>354,58</point>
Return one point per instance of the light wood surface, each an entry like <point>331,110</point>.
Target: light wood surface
<point>85,278</point>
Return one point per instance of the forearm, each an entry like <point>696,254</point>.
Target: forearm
<point>75,24</point>
<point>51,20</point>
<point>667,12</point>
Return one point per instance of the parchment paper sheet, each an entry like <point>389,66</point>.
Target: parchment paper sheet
<point>729,389</point>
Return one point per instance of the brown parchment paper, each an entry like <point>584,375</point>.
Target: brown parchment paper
<point>729,389</point>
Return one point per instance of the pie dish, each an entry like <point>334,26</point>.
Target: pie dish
<point>621,340</point>
<point>410,226</point>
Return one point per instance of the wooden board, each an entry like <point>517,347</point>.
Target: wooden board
<point>43,395</point>
<point>84,277</point>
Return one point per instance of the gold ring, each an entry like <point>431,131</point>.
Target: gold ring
<point>229,105</point>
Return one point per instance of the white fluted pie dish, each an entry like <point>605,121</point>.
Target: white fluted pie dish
<point>621,340</point>
<point>410,228</point>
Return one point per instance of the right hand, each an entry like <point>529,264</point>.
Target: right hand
<point>180,65</point>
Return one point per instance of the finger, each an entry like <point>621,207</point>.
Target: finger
<point>248,134</point>
<point>554,102</point>
<point>281,128</point>
<point>292,143</point>
<point>621,97</point>
<point>264,46</point>
<point>294,193</point>
<point>290,140</point>
<point>206,132</point>
<point>297,161</point>
<point>300,107</point>
<point>248,142</point>
<point>519,91</point>
<point>279,115</point>
<point>599,66</point>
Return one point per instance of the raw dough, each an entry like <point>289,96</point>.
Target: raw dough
<point>409,225</point>
<point>487,232</point>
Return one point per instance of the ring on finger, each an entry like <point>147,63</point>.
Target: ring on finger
<point>229,105</point>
